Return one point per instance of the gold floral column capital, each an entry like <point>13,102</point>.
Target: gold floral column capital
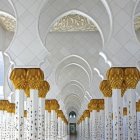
<point>59,113</point>
<point>93,105</point>
<point>18,78</point>
<point>54,104</point>
<point>86,114</point>
<point>47,105</point>
<point>34,78</point>
<point>105,87</point>
<point>43,89</point>
<point>101,104</point>
<point>115,76</point>
<point>4,104</point>
<point>125,111</point>
<point>138,106</point>
<point>11,108</point>
<point>131,77</point>
<point>25,113</point>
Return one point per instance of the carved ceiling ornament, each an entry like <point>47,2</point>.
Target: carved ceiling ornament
<point>70,23</point>
<point>8,22</point>
<point>73,23</point>
<point>137,23</point>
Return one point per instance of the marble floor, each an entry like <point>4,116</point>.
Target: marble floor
<point>71,138</point>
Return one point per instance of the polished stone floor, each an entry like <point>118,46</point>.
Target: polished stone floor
<point>71,138</point>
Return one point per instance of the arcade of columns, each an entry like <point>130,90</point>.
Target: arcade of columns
<point>108,118</point>
<point>104,119</point>
<point>42,119</point>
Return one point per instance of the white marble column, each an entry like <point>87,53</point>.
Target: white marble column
<point>86,125</point>
<point>138,120</point>
<point>43,90</point>
<point>131,77</point>
<point>1,121</point>
<point>13,127</point>
<point>83,129</point>
<point>25,125</point>
<point>108,119</point>
<point>59,137</point>
<point>102,124</point>
<point>93,122</point>
<point>47,124</point>
<point>33,116</point>
<point>106,89</point>
<point>117,114</point>
<point>41,119</point>
<point>53,125</point>
<point>18,77</point>
<point>125,124</point>
<point>132,124</point>
<point>8,126</point>
<point>19,114</point>
<point>98,126</point>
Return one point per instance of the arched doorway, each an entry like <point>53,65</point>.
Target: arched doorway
<point>72,123</point>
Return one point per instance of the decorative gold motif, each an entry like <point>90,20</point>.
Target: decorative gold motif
<point>115,76</point>
<point>83,23</point>
<point>105,87</point>
<point>123,89</point>
<point>8,22</point>
<point>93,105</point>
<point>73,23</point>
<point>131,77</point>
<point>11,108</point>
<point>54,105</point>
<point>18,77</point>
<point>25,113</point>
<point>4,105</point>
<point>43,89</point>
<point>34,77</point>
<point>101,104</point>
<point>125,111</point>
<point>96,104</point>
<point>137,23</point>
<point>86,114</point>
<point>59,113</point>
<point>138,106</point>
<point>47,105</point>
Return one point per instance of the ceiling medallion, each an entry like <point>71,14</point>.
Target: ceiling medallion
<point>73,23</point>
<point>8,23</point>
<point>137,23</point>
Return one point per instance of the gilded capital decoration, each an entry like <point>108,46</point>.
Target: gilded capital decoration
<point>86,114</point>
<point>54,105</point>
<point>59,113</point>
<point>138,106</point>
<point>43,89</point>
<point>8,22</point>
<point>25,113</point>
<point>93,105</point>
<point>125,111</point>
<point>72,23</point>
<point>101,104</point>
<point>115,76</point>
<point>11,108</point>
<point>34,77</point>
<point>47,105</point>
<point>18,78</point>
<point>123,89</point>
<point>131,77</point>
<point>105,87</point>
<point>4,105</point>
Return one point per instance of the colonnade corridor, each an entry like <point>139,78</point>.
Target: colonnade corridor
<point>69,69</point>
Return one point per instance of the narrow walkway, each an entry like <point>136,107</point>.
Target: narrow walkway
<point>71,138</point>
